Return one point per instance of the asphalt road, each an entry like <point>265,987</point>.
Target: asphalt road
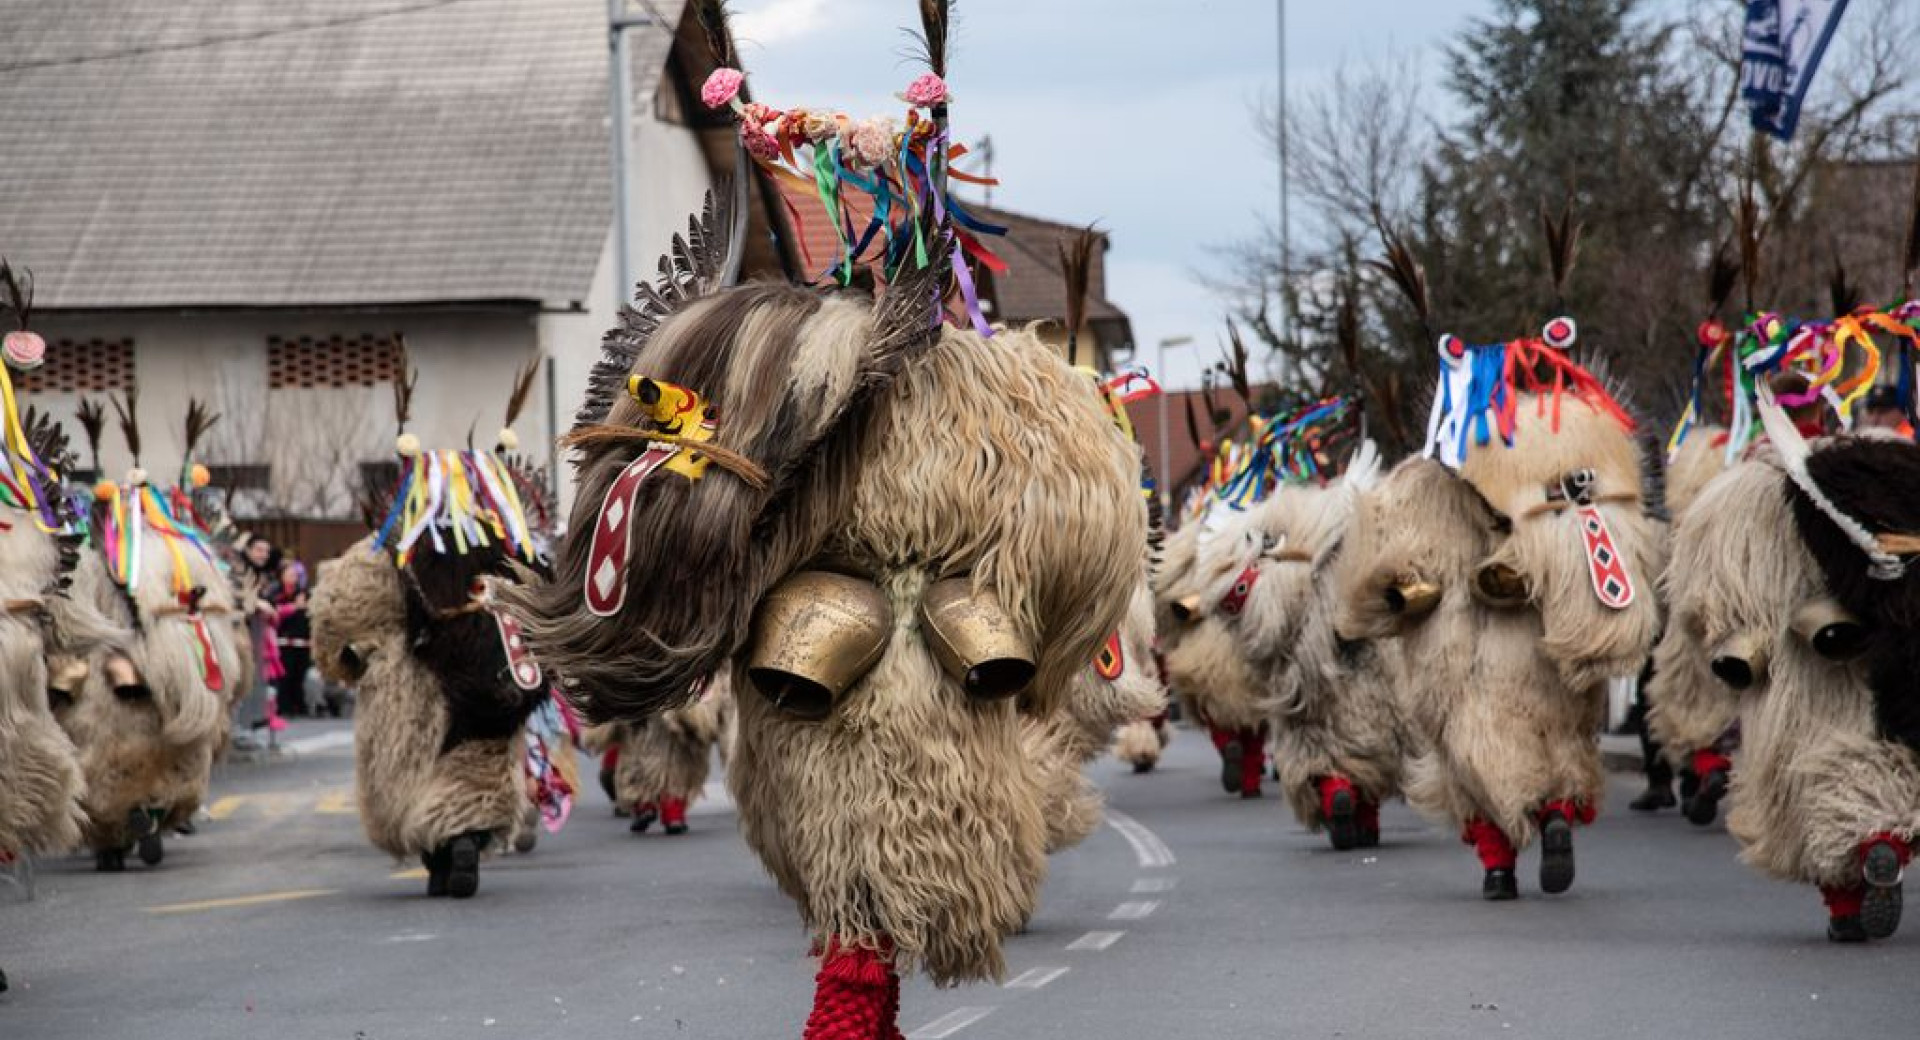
<point>1197,915</point>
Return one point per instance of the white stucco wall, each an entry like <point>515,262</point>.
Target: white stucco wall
<point>670,185</point>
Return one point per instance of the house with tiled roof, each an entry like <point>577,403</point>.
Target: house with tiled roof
<point>245,200</point>
<point>1032,288</point>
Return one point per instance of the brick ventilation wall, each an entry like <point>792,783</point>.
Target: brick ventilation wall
<point>82,366</point>
<point>330,362</point>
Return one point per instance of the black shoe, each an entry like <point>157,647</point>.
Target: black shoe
<point>1704,807</point>
<point>1142,767</point>
<point>3,982</point>
<point>110,861</point>
<point>1342,828</point>
<point>1654,799</point>
<point>151,850</point>
<point>1845,930</point>
<point>1556,854</point>
<point>606,784</point>
<point>1230,757</point>
<point>1880,906</point>
<point>676,828</point>
<point>140,823</point>
<point>1499,886</point>
<point>643,817</point>
<point>1689,785</point>
<point>463,866</point>
<point>186,828</point>
<point>436,864</point>
<point>1369,837</point>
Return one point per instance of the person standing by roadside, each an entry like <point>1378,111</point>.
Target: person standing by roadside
<point>292,636</point>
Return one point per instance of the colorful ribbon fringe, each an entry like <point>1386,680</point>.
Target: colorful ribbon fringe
<point>128,512</point>
<point>458,500</point>
<point>1286,448</point>
<point>1480,388</point>
<point>26,483</point>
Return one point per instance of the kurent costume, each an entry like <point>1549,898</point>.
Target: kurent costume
<point>40,811</point>
<point>1340,738</point>
<point>899,538</point>
<point>149,733</point>
<point>1802,598</point>
<point>658,766</point>
<point>1511,559</point>
<point>1204,667</point>
<point>446,682</point>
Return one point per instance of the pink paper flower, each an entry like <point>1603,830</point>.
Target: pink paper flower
<point>24,350</point>
<point>869,141</point>
<point>926,91</point>
<point>722,87</point>
<point>760,144</point>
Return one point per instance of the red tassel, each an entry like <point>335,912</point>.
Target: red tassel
<point>856,996</point>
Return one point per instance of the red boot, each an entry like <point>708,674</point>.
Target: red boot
<point>1340,812</point>
<point>1715,771</point>
<point>1556,843</point>
<point>1232,773</point>
<point>1253,762</point>
<point>1368,822</point>
<point>1883,862</point>
<point>673,813</point>
<point>856,996</point>
<point>1843,913</point>
<point>1496,854</point>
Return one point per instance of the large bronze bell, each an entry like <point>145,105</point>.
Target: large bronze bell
<point>1412,598</point>
<point>1498,585</point>
<point>1741,661</point>
<point>1832,632</point>
<point>814,636</point>
<point>976,640</point>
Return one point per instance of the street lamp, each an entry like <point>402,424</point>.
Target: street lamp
<point>1160,372</point>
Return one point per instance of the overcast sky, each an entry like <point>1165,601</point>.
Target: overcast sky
<point>1133,114</point>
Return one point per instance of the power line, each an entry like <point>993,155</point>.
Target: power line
<point>216,41</point>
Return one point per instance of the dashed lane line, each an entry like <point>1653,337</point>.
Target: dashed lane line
<point>1134,910</point>
<point>236,901</point>
<point>1148,849</point>
<point>1095,941</point>
<point>1034,978</point>
<point>950,1023</point>
<point>1151,885</point>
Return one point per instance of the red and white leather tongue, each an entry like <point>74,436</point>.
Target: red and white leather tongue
<point>520,662</point>
<point>1611,582</point>
<point>606,581</point>
<point>210,672</point>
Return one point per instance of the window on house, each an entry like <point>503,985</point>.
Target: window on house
<point>82,366</point>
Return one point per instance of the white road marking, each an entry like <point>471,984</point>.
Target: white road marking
<point>1095,941</point>
<point>320,742</point>
<point>1034,978</point>
<point>950,1023</point>
<point>1147,885</point>
<point>1134,910</point>
<point>412,937</point>
<point>1147,846</point>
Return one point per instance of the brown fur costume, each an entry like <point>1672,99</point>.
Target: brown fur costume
<point>153,753</point>
<point>41,811</point>
<point>669,755</point>
<point>1815,777</point>
<point>1204,667</point>
<point>1687,707</point>
<point>910,820</point>
<point>1335,708</point>
<point>1506,700</point>
<point>424,773</point>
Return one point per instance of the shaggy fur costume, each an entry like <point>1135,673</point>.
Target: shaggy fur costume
<point>1063,744</point>
<point>1336,712</point>
<point>41,810</point>
<point>910,822</point>
<point>152,753</point>
<point>430,763</point>
<point>1505,700</point>
<point>669,755</point>
<point>1204,667</point>
<point>1815,777</point>
<point>1687,707</point>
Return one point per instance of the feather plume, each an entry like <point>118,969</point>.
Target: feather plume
<point>1346,329</point>
<point>1076,269</point>
<point>1563,246</point>
<point>1844,294</point>
<point>715,27</point>
<point>200,419</point>
<point>936,18</point>
<point>1403,270</point>
<point>1236,368</point>
<point>127,407</point>
<point>93,423</point>
<point>1910,258</point>
<point>522,389</point>
<point>48,439</point>
<point>16,292</point>
<point>1748,229</point>
<point>405,378</point>
<point>1193,424</point>
<point>695,266</point>
<point>1723,271</point>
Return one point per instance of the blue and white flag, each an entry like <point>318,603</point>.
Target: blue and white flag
<point>1784,42</point>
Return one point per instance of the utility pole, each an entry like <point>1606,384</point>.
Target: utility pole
<point>620,83</point>
<point>1286,236</point>
<point>1166,389</point>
